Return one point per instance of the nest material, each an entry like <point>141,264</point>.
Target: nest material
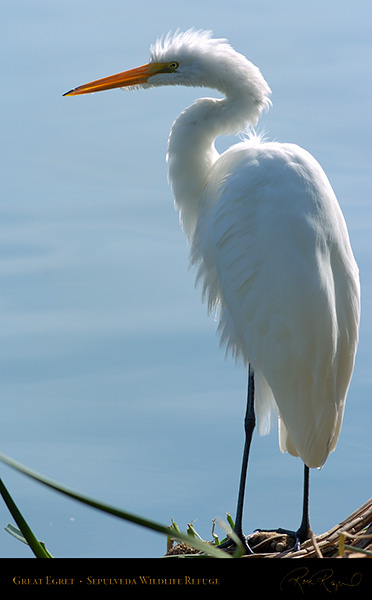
<point>352,538</point>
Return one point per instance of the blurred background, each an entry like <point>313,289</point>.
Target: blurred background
<point>112,381</point>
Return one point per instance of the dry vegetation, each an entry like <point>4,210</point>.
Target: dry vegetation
<point>352,538</point>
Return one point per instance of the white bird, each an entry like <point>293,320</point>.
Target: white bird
<point>271,248</point>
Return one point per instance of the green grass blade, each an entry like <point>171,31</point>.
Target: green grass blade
<point>154,526</point>
<point>37,547</point>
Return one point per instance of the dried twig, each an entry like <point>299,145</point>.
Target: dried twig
<point>328,544</point>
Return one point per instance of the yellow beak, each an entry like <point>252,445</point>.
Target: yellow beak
<point>135,76</point>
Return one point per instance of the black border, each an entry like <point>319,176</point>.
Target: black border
<point>292,578</point>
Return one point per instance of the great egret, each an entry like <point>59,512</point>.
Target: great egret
<point>271,246</point>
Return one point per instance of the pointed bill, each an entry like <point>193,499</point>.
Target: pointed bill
<point>137,76</point>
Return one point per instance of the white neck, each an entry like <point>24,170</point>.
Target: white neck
<point>191,149</point>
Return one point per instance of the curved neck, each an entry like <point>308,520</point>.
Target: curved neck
<point>191,149</point>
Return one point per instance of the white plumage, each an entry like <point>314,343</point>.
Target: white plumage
<point>271,246</point>
<point>268,239</point>
<point>274,254</point>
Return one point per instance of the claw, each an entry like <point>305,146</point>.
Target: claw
<point>230,545</point>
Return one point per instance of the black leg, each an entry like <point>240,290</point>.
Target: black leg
<point>303,532</point>
<point>249,425</point>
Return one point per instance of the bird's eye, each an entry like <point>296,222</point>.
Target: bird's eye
<point>173,65</point>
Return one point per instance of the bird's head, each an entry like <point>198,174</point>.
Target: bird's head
<point>191,58</point>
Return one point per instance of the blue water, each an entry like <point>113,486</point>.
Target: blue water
<point>112,381</point>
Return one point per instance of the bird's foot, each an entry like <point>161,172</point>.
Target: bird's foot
<point>230,545</point>
<point>264,540</point>
<point>298,536</point>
